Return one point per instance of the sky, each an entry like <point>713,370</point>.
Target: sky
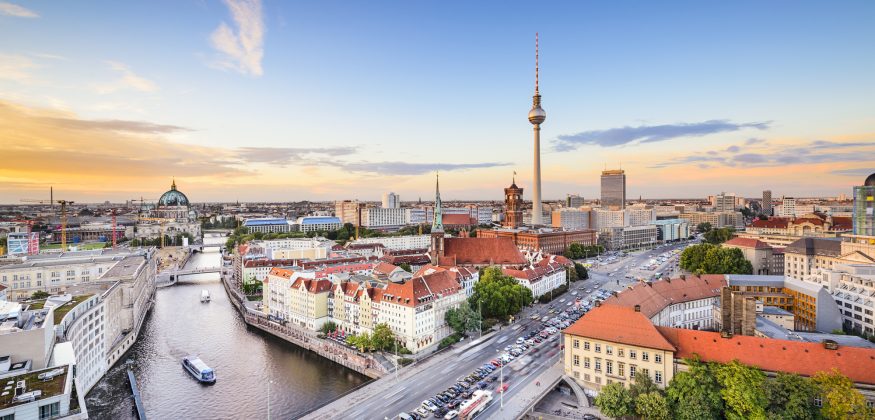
<point>282,101</point>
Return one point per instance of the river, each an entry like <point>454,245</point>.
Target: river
<point>244,360</point>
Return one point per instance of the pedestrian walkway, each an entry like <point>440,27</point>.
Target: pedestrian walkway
<point>525,399</point>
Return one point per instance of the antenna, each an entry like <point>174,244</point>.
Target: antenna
<point>536,63</point>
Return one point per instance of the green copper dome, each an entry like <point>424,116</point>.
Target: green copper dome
<point>173,198</point>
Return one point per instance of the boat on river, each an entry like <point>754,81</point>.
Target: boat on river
<point>197,368</point>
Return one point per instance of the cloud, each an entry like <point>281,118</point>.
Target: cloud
<point>45,145</point>
<point>16,68</point>
<point>283,155</point>
<point>10,9</point>
<point>128,81</point>
<point>855,172</point>
<point>405,168</point>
<point>815,152</point>
<point>241,48</point>
<point>141,127</point>
<point>650,133</point>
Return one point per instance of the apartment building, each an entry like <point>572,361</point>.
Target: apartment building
<point>853,288</point>
<point>383,217</point>
<point>542,276</point>
<point>53,273</point>
<point>297,297</point>
<point>685,302</point>
<point>812,305</point>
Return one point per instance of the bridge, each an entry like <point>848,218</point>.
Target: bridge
<point>171,277</point>
<point>201,247</point>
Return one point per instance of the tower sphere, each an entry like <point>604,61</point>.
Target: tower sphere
<point>537,115</point>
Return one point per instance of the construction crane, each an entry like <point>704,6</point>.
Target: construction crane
<point>63,204</point>
<point>162,220</point>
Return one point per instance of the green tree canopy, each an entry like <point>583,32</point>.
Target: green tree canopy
<point>719,236</point>
<point>840,399</point>
<point>695,394</point>
<point>653,406</point>
<point>790,397</point>
<point>713,259</point>
<point>614,401</point>
<point>642,385</point>
<point>743,390</point>
<point>462,319</point>
<point>500,295</point>
<point>383,337</point>
<point>703,227</point>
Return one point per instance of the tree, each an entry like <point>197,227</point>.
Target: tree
<point>642,385</point>
<point>790,397</point>
<point>572,273</point>
<point>462,319</point>
<point>695,394</point>
<point>499,295</point>
<point>582,273</point>
<point>743,390</point>
<point>614,401</point>
<point>719,236</point>
<point>383,337</point>
<point>712,259</point>
<point>840,399</point>
<point>39,294</point>
<point>328,327</point>
<point>405,267</point>
<point>703,227</point>
<point>653,406</point>
<point>361,341</point>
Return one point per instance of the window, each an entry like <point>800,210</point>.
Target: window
<point>586,345</point>
<point>620,352</point>
<point>657,376</point>
<point>609,350</point>
<point>598,348</point>
<point>576,360</point>
<point>598,364</point>
<point>609,367</point>
<point>586,362</point>
<point>645,371</point>
<point>818,402</point>
<point>621,369</point>
<point>644,356</point>
<point>8,417</point>
<point>632,371</point>
<point>575,344</point>
<point>632,354</point>
<point>657,358</point>
<point>49,410</point>
<point>586,377</point>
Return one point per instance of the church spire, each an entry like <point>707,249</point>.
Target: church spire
<point>173,185</point>
<point>437,224</point>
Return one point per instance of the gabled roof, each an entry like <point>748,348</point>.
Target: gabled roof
<point>773,355</point>
<point>747,243</point>
<point>457,219</point>
<point>482,251</point>
<point>815,246</point>
<point>656,296</point>
<point>421,290</point>
<point>619,324</point>
<point>385,268</point>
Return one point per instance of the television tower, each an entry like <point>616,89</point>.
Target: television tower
<point>537,116</point>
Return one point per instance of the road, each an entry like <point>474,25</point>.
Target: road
<point>408,393</point>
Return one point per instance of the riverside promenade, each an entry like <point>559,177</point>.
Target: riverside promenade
<point>309,340</point>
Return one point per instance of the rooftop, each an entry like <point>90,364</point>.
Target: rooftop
<point>656,296</point>
<point>266,221</point>
<point>315,220</point>
<point>619,324</point>
<point>50,388</point>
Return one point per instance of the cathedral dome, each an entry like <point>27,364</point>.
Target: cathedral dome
<point>173,198</point>
<point>870,181</point>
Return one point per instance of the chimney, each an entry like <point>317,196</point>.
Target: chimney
<point>637,308</point>
<point>598,303</point>
<point>726,334</point>
<point>830,344</point>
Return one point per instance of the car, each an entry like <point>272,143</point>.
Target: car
<point>590,417</point>
<point>451,415</point>
<point>440,413</point>
<point>421,411</point>
<point>428,405</point>
<point>502,388</point>
<point>520,340</point>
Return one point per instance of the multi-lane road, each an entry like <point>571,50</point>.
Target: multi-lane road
<point>425,381</point>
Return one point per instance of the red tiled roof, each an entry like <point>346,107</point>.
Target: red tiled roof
<point>385,268</point>
<point>482,251</point>
<point>773,223</point>
<point>619,324</point>
<point>772,355</point>
<point>457,219</point>
<point>656,296</point>
<point>419,290</point>
<point>842,223</point>
<point>281,272</point>
<point>747,243</point>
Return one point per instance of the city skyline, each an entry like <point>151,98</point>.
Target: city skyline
<point>252,101</point>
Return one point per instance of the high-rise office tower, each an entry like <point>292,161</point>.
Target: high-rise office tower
<point>614,189</point>
<point>391,201</point>
<point>767,202</point>
<point>724,202</point>
<point>573,201</point>
<point>864,207</point>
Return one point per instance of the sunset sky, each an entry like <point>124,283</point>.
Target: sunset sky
<point>323,100</point>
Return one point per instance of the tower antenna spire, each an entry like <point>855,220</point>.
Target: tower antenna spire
<point>536,63</point>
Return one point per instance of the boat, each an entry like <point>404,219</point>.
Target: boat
<point>197,368</point>
<point>205,295</point>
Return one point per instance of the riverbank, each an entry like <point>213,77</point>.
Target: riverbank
<point>306,339</point>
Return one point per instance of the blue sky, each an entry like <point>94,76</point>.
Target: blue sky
<point>331,100</point>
